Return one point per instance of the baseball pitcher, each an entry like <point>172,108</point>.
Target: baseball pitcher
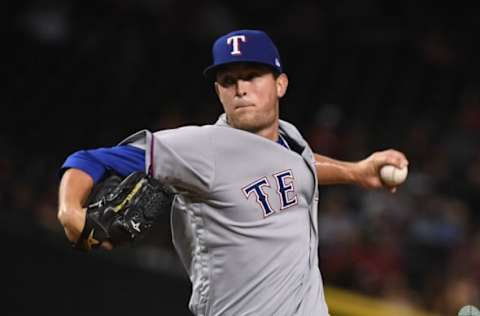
<point>243,192</point>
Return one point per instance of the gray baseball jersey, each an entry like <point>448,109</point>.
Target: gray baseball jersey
<point>245,220</point>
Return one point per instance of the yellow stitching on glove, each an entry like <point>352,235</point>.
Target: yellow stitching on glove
<point>129,196</point>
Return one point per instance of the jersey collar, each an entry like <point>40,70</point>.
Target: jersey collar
<point>222,121</point>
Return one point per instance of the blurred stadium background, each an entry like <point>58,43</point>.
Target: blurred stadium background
<point>364,76</point>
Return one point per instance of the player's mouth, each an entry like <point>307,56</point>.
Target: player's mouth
<point>243,105</point>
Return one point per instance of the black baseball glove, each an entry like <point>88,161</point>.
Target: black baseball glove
<point>123,210</point>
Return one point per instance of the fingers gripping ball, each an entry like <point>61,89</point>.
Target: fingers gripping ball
<point>123,210</point>
<point>393,176</point>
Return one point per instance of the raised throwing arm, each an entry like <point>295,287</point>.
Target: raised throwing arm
<point>365,173</point>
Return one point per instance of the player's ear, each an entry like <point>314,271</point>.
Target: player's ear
<point>217,90</point>
<point>282,84</point>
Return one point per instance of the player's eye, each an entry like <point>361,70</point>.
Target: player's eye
<point>227,81</point>
<point>250,76</point>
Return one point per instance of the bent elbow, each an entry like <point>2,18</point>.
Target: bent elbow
<point>72,221</point>
<point>63,217</point>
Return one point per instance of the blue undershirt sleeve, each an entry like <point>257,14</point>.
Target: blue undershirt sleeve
<point>123,160</point>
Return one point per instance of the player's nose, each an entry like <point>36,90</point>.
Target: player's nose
<point>241,87</point>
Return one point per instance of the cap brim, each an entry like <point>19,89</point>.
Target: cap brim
<point>211,71</point>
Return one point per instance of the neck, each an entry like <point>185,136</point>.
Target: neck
<point>270,132</point>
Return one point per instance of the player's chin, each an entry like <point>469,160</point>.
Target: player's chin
<point>243,117</point>
<point>243,123</point>
<point>251,125</point>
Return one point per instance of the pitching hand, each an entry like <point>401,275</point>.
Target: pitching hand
<point>367,171</point>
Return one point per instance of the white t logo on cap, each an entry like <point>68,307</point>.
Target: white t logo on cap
<point>236,44</point>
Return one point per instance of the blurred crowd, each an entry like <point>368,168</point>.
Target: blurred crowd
<point>363,77</point>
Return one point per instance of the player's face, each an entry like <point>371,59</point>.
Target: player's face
<point>249,94</point>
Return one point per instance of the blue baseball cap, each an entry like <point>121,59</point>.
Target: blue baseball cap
<point>251,46</point>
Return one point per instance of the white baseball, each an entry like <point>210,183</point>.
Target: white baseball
<point>393,176</point>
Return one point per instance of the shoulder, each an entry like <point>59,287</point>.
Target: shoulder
<point>188,129</point>
<point>140,137</point>
<point>185,133</point>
